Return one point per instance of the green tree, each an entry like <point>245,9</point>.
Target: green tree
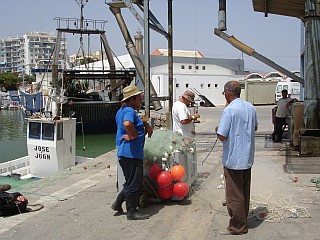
<point>28,79</point>
<point>11,81</point>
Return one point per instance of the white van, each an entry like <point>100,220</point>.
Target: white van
<point>292,87</point>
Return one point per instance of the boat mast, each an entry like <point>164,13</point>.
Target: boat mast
<point>81,3</point>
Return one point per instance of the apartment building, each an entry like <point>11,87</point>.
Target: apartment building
<point>30,51</point>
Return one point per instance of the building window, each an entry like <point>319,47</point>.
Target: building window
<point>197,67</point>
<point>187,85</point>
<point>201,85</point>
<point>177,85</point>
<point>190,67</point>
<point>216,85</point>
<point>209,85</point>
<point>203,67</point>
<point>182,66</point>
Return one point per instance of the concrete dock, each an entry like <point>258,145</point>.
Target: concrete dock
<point>285,204</point>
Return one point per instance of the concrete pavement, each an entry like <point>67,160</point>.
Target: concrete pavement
<point>77,201</point>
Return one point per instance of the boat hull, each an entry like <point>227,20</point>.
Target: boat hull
<point>93,117</point>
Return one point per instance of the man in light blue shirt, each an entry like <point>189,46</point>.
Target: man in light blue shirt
<point>236,130</point>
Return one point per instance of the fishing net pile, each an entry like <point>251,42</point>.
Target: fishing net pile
<point>163,143</point>
<point>275,210</point>
<point>170,161</point>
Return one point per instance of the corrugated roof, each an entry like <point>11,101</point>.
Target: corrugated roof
<point>293,8</point>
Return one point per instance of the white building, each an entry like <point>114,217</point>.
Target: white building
<point>204,76</point>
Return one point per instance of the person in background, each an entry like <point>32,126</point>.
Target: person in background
<point>130,138</point>
<point>182,120</point>
<point>281,112</point>
<point>236,130</point>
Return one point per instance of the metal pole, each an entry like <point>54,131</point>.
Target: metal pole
<point>146,59</point>
<point>251,52</point>
<point>134,54</point>
<point>170,65</point>
<point>311,66</point>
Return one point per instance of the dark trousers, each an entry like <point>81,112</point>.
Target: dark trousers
<point>133,173</point>
<point>278,129</point>
<point>238,198</point>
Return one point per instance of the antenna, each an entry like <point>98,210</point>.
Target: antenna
<point>81,3</point>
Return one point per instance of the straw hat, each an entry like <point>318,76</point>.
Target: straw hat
<point>189,95</point>
<point>130,91</point>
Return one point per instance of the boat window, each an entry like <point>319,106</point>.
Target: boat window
<point>48,131</point>
<point>34,130</point>
<point>59,131</point>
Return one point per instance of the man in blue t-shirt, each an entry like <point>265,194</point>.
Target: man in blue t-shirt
<point>130,137</point>
<point>236,130</point>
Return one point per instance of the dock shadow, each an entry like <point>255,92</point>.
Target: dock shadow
<point>256,216</point>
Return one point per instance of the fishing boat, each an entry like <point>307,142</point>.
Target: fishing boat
<point>51,148</point>
<point>90,96</point>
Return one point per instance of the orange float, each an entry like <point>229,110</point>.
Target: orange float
<point>178,172</point>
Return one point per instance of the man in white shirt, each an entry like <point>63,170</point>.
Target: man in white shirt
<point>182,120</point>
<point>281,115</point>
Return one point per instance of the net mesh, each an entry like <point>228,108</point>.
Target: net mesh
<point>164,142</point>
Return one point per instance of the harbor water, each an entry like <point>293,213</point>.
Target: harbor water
<point>13,142</point>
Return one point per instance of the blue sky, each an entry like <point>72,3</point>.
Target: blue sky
<point>276,37</point>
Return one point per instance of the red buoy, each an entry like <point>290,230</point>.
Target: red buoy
<point>154,170</point>
<point>164,179</point>
<point>180,189</point>
<point>165,192</point>
<point>177,172</point>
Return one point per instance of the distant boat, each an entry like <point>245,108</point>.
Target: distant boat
<point>9,100</point>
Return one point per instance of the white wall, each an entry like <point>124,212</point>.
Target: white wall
<point>208,82</point>
<point>209,86</point>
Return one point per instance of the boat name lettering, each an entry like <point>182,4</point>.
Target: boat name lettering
<point>41,149</point>
<point>43,156</point>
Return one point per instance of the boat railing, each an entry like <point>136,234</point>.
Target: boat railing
<point>76,24</point>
